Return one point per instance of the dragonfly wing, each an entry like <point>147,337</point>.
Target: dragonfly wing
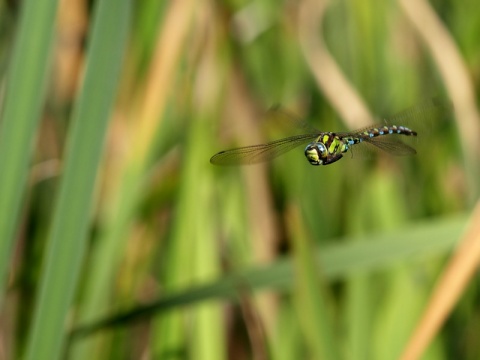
<point>425,116</point>
<point>255,154</point>
<point>371,147</point>
<point>422,118</point>
<point>391,145</point>
<point>283,121</point>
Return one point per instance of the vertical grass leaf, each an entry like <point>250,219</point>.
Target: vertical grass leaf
<point>67,239</point>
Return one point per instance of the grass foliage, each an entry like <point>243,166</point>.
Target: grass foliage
<point>118,238</point>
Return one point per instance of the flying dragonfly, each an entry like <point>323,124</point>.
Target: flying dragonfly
<point>325,148</point>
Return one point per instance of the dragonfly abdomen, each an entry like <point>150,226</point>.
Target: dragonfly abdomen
<point>385,130</point>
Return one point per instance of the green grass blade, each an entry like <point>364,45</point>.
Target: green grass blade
<point>67,240</point>
<point>23,105</point>
<point>121,204</point>
<point>312,299</point>
<point>365,254</point>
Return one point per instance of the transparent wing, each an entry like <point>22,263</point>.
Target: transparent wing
<point>391,145</point>
<point>424,117</point>
<point>371,147</point>
<point>259,153</point>
<point>282,117</point>
<point>278,123</point>
<point>421,118</point>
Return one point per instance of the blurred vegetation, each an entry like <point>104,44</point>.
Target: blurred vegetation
<point>119,240</point>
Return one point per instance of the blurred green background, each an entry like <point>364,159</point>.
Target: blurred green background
<point>118,238</point>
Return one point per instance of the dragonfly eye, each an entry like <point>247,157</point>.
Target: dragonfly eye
<point>316,152</point>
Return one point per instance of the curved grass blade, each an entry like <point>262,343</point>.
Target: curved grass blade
<point>348,257</point>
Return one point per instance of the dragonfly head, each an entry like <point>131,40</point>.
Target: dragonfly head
<point>317,154</point>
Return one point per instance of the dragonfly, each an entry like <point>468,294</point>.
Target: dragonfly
<point>325,148</point>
